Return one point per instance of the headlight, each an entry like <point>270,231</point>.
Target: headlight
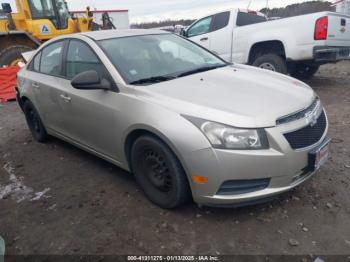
<point>226,137</point>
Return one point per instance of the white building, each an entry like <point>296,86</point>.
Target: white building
<point>120,18</point>
<point>343,6</point>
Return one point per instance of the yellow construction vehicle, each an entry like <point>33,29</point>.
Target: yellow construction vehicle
<point>35,22</point>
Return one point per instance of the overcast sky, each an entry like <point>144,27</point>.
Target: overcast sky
<point>155,10</point>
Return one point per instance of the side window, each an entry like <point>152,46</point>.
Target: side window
<point>249,19</point>
<point>201,27</point>
<point>80,58</point>
<point>41,8</point>
<point>220,21</point>
<point>51,59</point>
<point>36,62</point>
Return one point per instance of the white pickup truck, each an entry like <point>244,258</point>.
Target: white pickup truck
<point>295,46</point>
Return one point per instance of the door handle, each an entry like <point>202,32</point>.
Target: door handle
<point>204,39</point>
<point>35,85</point>
<point>66,98</point>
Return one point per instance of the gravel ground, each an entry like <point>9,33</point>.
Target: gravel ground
<point>70,202</point>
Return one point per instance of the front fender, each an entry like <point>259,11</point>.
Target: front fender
<point>177,132</point>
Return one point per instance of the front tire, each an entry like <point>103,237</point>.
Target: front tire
<point>34,122</point>
<point>272,62</point>
<point>159,172</point>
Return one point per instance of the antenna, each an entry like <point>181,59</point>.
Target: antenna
<point>267,8</point>
<point>250,2</point>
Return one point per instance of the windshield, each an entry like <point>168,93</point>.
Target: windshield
<point>155,58</point>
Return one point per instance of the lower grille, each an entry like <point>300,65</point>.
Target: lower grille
<point>309,135</point>
<point>237,187</point>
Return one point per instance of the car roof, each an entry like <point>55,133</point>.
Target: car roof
<point>108,34</point>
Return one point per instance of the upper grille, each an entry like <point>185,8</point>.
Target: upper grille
<point>309,135</point>
<point>299,115</point>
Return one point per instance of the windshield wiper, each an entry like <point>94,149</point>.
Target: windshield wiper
<point>153,79</point>
<point>200,69</point>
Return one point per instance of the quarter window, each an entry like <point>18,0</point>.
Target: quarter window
<point>220,21</point>
<point>201,27</point>
<point>249,19</point>
<point>81,58</point>
<point>51,59</point>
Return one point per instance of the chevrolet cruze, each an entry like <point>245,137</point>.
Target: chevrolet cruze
<point>186,123</point>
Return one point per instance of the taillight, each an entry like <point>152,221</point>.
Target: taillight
<point>321,28</point>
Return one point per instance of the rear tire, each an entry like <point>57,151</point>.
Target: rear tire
<point>34,122</point>
<point>271,62</point>
<point>159,172</point>
<point>304,72</point>
<point>13,54</point>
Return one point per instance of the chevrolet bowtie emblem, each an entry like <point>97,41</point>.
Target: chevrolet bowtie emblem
<point>311,119</point>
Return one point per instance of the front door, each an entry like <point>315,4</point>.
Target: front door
<point>90,116</point>
<point>200,32</point>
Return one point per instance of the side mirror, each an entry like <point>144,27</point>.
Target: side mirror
<point>6,8</point>
<point>90,80</point>
<point>183,32</point>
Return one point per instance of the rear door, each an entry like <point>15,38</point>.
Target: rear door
<point>46,78</point>
<point>200,32</point>
<point>221,35</point>
<point>338,30</point>
<point>243,30</point>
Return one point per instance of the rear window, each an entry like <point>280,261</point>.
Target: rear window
<point>249,19</point>
<point>220,21</point>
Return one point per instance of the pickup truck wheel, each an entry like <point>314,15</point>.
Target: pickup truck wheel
<point>34,122</point>
<point>272,62</point>
<point>159,172</point>
<point>304,72</point>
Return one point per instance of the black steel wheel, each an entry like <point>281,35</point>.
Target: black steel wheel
<point>34,122</point>
<point>159,172</point>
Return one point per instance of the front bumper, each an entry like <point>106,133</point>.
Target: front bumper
<point>326,54</point>
<point>284,167</point>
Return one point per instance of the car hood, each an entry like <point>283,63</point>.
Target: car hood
<point>238,95</point>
